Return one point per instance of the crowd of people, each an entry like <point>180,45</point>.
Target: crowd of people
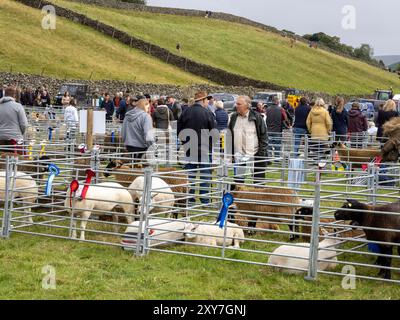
<point>140,113</point>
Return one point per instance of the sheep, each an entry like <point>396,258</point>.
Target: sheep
<point>25,187</point>
<point>278,212</point>
<point>162,194</point>
<point>288,256</point>
<point>29,167</point>
<point>305,213</point>
<point>213,235</point>
<point>357,157</point>
<point>103,196</point>
<point>162,230</point>
<point>374,216</point>
<point>125,174</point>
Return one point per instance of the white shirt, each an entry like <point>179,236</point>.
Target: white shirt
<point>71,114</point>
<point>245,132</point>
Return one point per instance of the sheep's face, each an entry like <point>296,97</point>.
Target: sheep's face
<point>347,211</point>
<point>190,228</point>
<point>303,212</point>
<point>113,164</point>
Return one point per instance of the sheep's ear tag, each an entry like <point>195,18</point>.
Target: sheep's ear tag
<point>350,205</point>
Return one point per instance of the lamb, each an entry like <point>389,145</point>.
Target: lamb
<point>357,157</point>
<point>125,174</point>
<point>375,216</point>
<point>213,235</point>
<point>102,196</point>
<point>286,257</point>
<point>160,232</point>
<point>162,194</point>
<point>267,213</point>
<point>25,187</point>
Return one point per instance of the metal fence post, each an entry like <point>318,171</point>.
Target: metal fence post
<point>6,212</point>
<point>314,240</point>
<point>95,163</point>
<point>306,151</point>
<point>374,181</point>
<point>142,244</point>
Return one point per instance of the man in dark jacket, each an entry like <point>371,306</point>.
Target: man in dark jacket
<point>358,124</point>
<point>123,108</point>
<point>196,127</point>
<point>162,116</point>
<point>276,121</point>
<point>175,107</point>
<point>108,105</point>
<point>249,136</point>
<point>27,97</point>
<point>300,123</point>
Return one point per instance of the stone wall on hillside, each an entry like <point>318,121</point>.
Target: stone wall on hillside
<point>215,15</point>
<point>53,85</point>
<point>213,74</point>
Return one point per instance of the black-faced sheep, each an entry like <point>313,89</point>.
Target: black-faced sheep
<point>375,216</point>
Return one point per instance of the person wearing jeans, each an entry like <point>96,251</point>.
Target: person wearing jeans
<point>198,123</point>
<point>276,121</point>
<point>300,123</point>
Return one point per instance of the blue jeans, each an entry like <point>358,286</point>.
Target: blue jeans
<point>298,134</point>
<point>205,175</point>
<point>275,141</point>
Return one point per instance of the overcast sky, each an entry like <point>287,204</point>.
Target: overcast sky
<point>377,21</point>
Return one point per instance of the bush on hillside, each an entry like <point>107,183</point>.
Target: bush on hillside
<point>364,52</point>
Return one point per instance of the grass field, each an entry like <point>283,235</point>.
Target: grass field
<point>246,50</point>
<point>74,51</point>
<point>88,271</point>
<point>94,271</point>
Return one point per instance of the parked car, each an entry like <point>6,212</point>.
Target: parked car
<point>228,99</point>
<point>367,108</point>
<point>266,98</point>
<point>77,90</point>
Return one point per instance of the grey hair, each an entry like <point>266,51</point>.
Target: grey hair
<point>246,99</point>
<point>219,105</point>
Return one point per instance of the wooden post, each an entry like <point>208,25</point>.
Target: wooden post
<point>89,133</point>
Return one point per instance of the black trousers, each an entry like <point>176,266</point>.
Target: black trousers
<point>259,172</point>
<point>137,152</point>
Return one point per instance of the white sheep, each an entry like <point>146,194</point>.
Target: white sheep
<point>102,196</point>
<point>160,232</point>
<point>213,235</point>
<point>298,256</point>
<point>25,187</point>
<point>161,195</point>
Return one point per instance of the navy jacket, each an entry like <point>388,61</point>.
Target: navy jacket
<point>109,106</point>
<point>300,116</point>
<point>340,121</point>
<point>222,118</point>
<point>197,118</point>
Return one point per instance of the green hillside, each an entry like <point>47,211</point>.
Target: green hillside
<point>74,51</point>
<point>246,50</point>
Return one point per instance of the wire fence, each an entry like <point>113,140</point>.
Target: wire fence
<point>289,211</point>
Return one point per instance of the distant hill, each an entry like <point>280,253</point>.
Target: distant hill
<point>389,60</point>
<point>245,50</point>
<point>75,52</point>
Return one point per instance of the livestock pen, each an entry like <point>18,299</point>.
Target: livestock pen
<point>264,215</point>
